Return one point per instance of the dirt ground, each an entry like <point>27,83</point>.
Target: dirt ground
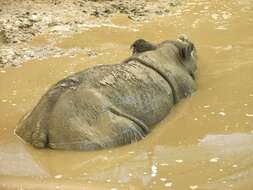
<point>22,20</point>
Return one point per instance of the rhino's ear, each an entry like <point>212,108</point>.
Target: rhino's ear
<point>187,46</point>
<point>141,45</point>
<point>186,50</point>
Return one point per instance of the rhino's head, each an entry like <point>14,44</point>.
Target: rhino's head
<point>182,47</point>
<point>186,52</point>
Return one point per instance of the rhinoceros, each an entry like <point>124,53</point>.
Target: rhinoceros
<point>111,105</point>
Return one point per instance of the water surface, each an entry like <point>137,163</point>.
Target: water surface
<point>205,143</point>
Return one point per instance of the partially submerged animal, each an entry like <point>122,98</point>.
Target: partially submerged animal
<point>110,105</point>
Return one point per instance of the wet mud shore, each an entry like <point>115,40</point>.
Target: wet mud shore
<point>22,21</point>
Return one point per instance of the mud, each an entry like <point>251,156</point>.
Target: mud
<point>21,21</point>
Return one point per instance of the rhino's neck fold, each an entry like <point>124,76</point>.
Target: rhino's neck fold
<point>146,61</point>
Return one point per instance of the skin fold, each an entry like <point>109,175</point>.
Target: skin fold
<point>112,105</point>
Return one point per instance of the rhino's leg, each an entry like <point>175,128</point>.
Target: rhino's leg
<point>118,129</point>
<point>125,129</point>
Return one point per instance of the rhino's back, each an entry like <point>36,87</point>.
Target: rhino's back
<point>131,87</point>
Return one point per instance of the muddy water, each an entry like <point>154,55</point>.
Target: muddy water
<point>205,143</point>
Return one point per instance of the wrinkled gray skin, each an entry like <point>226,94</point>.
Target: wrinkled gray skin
<point>111,105</point>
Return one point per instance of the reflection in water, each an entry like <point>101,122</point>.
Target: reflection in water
<point>205,143</point>
<point>23,166</point>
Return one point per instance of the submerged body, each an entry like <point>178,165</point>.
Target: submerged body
<point>112,105</point>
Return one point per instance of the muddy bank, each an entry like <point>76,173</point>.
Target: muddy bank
<point>21,21</point>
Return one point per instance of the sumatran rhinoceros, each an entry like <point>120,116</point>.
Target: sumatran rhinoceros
<point>111,105</point>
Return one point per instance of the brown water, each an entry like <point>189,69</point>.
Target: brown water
<point>205,143</point>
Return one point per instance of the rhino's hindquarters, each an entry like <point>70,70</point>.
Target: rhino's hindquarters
<point>91,123</point>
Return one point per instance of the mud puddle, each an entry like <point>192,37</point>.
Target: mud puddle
<point>205,143</point>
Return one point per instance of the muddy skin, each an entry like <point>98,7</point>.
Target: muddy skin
<point>112,105</point>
